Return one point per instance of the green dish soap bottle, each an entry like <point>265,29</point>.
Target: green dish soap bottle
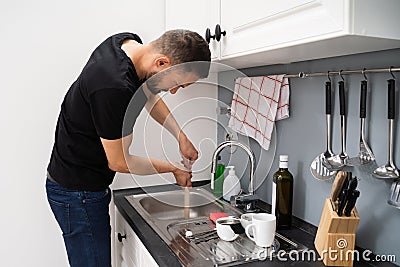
<point>219,178</point>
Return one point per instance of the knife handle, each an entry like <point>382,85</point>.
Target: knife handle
<point>328,98</point>
<point>337,185</point>
<point>342,99</point>
<point>363,100</point>
<point>349,176</point>
<point>346,182</point>
<point>391,99</point>
<point>342,202</point>
<point>353,184</point>
<point>351,202</point>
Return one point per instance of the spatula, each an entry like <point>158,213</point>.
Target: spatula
<point>365,155</point>
<point>394,197</point>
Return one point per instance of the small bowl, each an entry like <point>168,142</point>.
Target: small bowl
<point>229,228</point>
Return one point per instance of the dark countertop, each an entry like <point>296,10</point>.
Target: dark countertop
<point>301,232</point>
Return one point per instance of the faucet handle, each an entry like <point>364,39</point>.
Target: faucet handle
<point>247,200</point>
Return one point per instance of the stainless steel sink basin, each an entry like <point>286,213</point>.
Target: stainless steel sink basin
<point>170,206</point>
<point>165,213</point>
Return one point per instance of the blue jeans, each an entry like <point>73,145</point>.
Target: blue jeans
<point>84,219</point>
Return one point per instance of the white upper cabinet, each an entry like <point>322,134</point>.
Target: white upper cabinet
<point>282,31</point>
<point>264,24</point>
<point>264,32</point>
<point>196,16</point>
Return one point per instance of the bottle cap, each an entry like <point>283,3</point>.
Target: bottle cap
<point>283,161</point>
<point>284,158</point>
<point>231,170</point>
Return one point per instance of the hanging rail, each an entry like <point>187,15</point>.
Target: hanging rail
<point>343,72</point>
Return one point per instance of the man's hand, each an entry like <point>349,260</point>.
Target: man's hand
<point>188,151</point>
<point>182,175</point>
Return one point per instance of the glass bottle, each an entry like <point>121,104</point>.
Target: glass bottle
<point>282,194</point>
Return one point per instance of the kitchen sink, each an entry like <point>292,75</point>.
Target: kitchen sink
<point>172,214</point>
<point>170,206</point>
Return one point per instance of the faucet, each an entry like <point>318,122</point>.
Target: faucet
<point>248,199</point>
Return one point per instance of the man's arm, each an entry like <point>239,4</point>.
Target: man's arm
<point>160,112</point>
<point>119,160</point>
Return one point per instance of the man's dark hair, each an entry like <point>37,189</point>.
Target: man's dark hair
<point>182,46</point>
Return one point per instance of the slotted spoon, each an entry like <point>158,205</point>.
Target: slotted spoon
<point>318,170</point>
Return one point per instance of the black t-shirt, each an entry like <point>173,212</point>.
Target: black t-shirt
<point>94,107</point>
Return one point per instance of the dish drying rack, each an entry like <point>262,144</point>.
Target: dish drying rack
<point>203,244</point>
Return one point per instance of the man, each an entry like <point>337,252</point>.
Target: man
<point>93,134</point>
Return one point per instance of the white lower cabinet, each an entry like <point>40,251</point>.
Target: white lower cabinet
<point>128,250</point>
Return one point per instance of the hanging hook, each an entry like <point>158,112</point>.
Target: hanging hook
<point>363,73</point>
<point>340,73</point>
<point>391,73</point>
<point>302,75</point>
<point>329,77</point>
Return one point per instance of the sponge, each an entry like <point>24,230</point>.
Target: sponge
<point>214,216</point>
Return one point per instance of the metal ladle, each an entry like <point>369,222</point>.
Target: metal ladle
<point>339,161</point>
<point>389,170</point>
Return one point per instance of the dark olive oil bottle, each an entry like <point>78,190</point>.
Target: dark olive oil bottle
<point>282,194</point>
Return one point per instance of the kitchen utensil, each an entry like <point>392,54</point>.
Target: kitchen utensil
<point>342,202</point>
<point>186,202</point>
<point>394,198</point>
<point>342,190</point>
<point>389,170</point>
<point>351,203</point>
<point>338,233</point>
<point>187,163</point>
<point>339,161</point>
<point>337,185</point>
<point>318,170</point>
<point>345,196</point>
<point>365,155</point>
<point>264,227</point>
<point>352,185</point>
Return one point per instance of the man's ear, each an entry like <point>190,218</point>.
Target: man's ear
<point>163,62</point>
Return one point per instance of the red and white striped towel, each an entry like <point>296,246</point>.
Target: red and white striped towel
<point>257,103</point>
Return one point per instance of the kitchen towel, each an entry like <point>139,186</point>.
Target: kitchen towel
<point>257,103</point>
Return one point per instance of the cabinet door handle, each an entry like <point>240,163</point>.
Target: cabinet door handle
<point>209,36</point>
<point>120,237</point>
<point>219,32</point>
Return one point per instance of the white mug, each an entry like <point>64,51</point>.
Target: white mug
<point>247,219</point>
<point>263,228</point>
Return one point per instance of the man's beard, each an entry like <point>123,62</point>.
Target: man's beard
<point>152,83</point>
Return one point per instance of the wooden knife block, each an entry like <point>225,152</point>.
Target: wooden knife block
<point>336,236</point>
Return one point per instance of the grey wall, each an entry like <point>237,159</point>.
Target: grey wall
<point>302,137</point>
